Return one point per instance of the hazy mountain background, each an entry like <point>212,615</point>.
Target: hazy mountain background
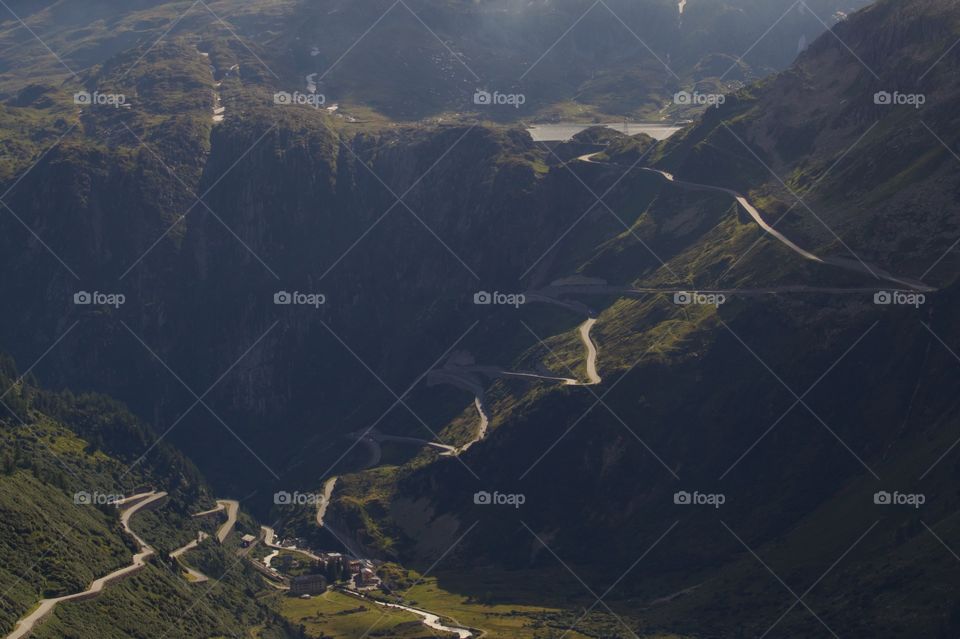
<point>427,58</point>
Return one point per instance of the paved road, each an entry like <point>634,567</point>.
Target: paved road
<point>269,558</point>
<point>592,375</point>
<point>464,379</point>
<point>455,374</point>
<point>322,505</point>
<point>193,575</point>
<point>204,513</point>
<point>749,208</point>
<point>607,289</point>
<point>429,619</point>
<point>495,371</point>
<point>269,540</point>
<point>324,501</point>
<point>445,448</point>
<point>484,423</point>
<point>26,625</point>
<point>841,262</point>
<point>232,507</point>
<point>135,498</point>
<point>372,439</point>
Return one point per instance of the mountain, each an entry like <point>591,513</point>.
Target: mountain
<point>715,400</point>
<point>518,360</point>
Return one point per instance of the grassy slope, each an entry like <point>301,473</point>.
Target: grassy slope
<point>340,616</point>
<point>158,602</point>
<point>52,546</point>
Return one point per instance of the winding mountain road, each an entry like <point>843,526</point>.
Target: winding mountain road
<point>232,507</point>
<point>219,507</point>
<point>372,438</point>
<point>46,606</point>
<point>742,201</point>
<point>849,264</point>
<point>269,558</point>
<point>324,501</point>
<point>465,376</point>
<point>457,376</point>
<point>584,331</point>
<point>639,291</point>
<point>459,372</point>
<point>482,427</point>
<point>269,540</point>
<point>193,575</point>
<point>445,448</point>
<point>496,371</point>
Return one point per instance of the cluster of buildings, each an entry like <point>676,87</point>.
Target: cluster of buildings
<point>334,567</point>
<point>312,573</point>
<point>366,578</point>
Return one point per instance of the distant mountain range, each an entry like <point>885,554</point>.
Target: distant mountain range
<point>409,60</point>
<point>568,59</point>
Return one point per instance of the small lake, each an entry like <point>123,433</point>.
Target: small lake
<point>560,131</point>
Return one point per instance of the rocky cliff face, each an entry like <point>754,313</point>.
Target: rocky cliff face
<point>289,203</point>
